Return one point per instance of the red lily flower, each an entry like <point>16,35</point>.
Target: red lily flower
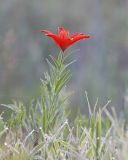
<point>63,39</point>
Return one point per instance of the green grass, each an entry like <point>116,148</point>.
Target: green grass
<point>42,131</point>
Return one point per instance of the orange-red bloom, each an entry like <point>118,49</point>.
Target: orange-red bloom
<point>63,39</point>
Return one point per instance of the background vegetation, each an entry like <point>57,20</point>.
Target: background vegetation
<point>102,61</point>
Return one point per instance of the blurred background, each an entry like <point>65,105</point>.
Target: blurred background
<point>102,61</point>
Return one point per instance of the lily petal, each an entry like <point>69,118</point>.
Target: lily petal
<point>63,39</point>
